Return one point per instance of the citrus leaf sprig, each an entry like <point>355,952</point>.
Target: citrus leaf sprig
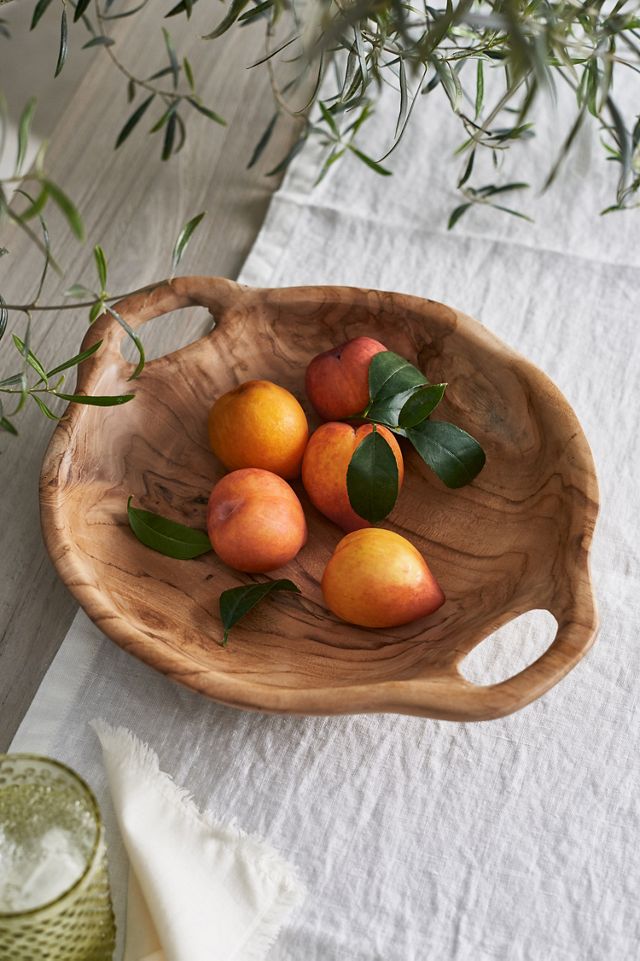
<point>402,400</point>
<point>185,543</point>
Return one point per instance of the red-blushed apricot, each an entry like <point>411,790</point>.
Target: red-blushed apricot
<point>324,470</point>
<point>377,578</point>
<point>337,381</point>
<point>255,521</point>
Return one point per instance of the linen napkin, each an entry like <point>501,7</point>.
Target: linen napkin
<point>199,890</point>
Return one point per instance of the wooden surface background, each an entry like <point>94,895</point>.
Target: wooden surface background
<point>134,205</point>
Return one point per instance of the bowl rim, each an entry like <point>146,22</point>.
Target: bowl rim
<point>446,695</point>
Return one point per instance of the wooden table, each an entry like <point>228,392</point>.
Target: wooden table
<point>134,205</point>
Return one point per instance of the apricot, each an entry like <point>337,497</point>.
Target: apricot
<point>259,424</point>
<point>324,470</point>
<point>376,578</point>
<point>255,521</point>
<point>337,381</point>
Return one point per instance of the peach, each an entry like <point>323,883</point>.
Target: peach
<point>376,578</point>
<point>324,470</point>
<point>255,521</point>
<point>337,381</point>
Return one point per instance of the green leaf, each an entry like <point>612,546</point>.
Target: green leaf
<point>379,169</point>
<point>68,209</point>
<point>29,356</point>
<point>235,10</point>
<point>77,290</point>
<point>4,316</point>
<point>188,72</point>
<point>23,133</point>
<point>43,407</point>
<point>96,310</point>
<point>36,207</point>
<point>206,112</point>
<point>386,410</point>
<point>328,119</point>
<point>133,120</point>
<point>455,456</point>
<point>39,10</point>
<point>165,536</point>
<point>421,405</point>
<point>238,601</point>
<point>81,7</point>
<point>182,7</point>
<point>169,136</point>
<point>101,265</point>
<point>264,140</point>
<point>479,87</point>
<point>183,239</point>
<point>64,42</point>
<point>93,400</point>
<point>173,59</point>
<point>6,424</point>
<point>457,214</point>
<point>128,329</point>
<point>165,117</point>
<point>99,41</point>
<point>372,478</point>
<point>257,11</point>
<point>74,361</point>
<point>390,374</point>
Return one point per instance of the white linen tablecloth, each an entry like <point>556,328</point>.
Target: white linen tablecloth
<point>513,840</point>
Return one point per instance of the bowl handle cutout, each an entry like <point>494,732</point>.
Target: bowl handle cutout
<point>576,633</point>
<point>217,294</point>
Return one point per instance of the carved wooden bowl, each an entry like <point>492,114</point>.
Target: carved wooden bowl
<point>516,539</point>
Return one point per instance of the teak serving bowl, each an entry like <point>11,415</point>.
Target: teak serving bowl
<point>516,539</point>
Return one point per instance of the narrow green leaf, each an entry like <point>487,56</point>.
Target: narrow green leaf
<point>4,316</point>
<point>379,169</point>
<point>183,239</point>
<point>38,12</point>
<point>77,290</point>
<point>185,6</point>
<point>372,478</point>
<point>264,140</point>
<point>67,207</point>
<point>81,7</point>
<point>131,90</point>
<point>238,601</point>
<point>479,87</point>
<point>457,214</point>
<point>404,97</point>
<point>133,120</point>
<point>6,424</point>
<point>173,59</point>
<point>390,374</point>
<point>36,207</point>
<point>101,265</point>
<point>128,329</point>
<point>43,407</point>
<point>328,119</point>
<point>165,536</point>
<point>188,72</point>
<point>206,112</point>
<point>64,42</point>
<point>29,356</point>
<point>165,117</point>
<point>23,133</point>
<point>421,405</point>
<point>236,8</point>
<point>95,401</point>
<point>96,310</point>
<point>455,456</point>
<point>74,361</point>
<point>99,41</point>
<point>258,11</point>
<point>169,137</point>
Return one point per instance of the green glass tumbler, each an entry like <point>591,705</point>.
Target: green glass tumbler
<point>55,902</point>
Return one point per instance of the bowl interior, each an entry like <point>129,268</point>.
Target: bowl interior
<point>493,545</point>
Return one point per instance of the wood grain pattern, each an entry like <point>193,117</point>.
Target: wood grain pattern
<point>134,205</point>
<point>518,538</point>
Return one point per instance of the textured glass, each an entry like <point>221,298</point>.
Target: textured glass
<point>39,796</point>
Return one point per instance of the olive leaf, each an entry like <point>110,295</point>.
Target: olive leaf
<point>455,456</point>
<point>73,361</point>
<point>101,265</point>
<point>134,120</point>
<point>165,536</point>
<point>64,42</point>
<point>372,478</point>
<point>23,133</point>
<point>183,239</point>
<point>238,601</point>
<point>95,400</point>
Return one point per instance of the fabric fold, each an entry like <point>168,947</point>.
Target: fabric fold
<point>203,891</point>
